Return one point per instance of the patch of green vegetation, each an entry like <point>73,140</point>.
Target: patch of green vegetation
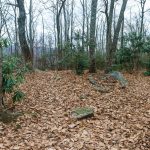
<point>146,73</point>
<point>13,75</point>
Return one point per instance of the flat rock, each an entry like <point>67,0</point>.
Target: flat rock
<point>8,117</point>
<point>81,113</point>
<point>97,86</point>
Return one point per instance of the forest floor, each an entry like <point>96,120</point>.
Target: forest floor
<point>121,120</point>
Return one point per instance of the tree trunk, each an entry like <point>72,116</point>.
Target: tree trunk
<point>109,18</point>
<point>92,45</point>
<point>1,80</point>
<point>66,24</point>
<point>118,27</point>
<point>22,36</point>
<point>83,23</point>
<point>72,23</point>
<point>111,43</point>
<point>122,35</point>
<point>142,2</point>
<point>31,27</point>
<point>58,25</point>
<point>16,31</point>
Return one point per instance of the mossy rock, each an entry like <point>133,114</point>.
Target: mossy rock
<point>81,113</point>
<point>8,117</point>
<point>97,86</point>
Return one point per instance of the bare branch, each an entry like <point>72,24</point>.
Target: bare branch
<point>15,5</point>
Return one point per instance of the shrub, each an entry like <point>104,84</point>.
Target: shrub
<point>100,60</point>
<point>13,75</point>
<point>81,62</point>
<point>146,73</point>
<point>125,58</point>
<point>129,56</point>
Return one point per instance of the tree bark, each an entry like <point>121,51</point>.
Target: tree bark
<point>142,3</point>
<point>1,80</point>
<point>72,23</point>
<point>31,27</point>
<point>111,42</point>
<point>122,34</point>
<point>83,23</point>
<point>92,45</point>
<point>109,18</point>
<point>58,24</point>
<point>22,33</point>
<point>118,27</point>
<point>66,24</point>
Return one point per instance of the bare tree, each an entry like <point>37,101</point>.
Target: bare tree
<point>66,22</point>
<point>109,18</point>
<point>92,45</point>
<point>31,27</point>
<point>22,33</point>
<point>142,4</point>
<point>118,26</point>
<point>15,25</point>
<point>83,22</point>
<point>1,78</point>
<point>4,18</point>
<point>72,23</point>
<point>59,9</point>
<point>111,41</point>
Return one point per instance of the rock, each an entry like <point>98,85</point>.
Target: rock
<point>92,81</point>
<point>8,117</point>
<point>81,113</point>
<point>101,89</point>
<point>118,76</point>
<point>97,86</point>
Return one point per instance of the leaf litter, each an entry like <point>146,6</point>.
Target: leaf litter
<point>121,117</point>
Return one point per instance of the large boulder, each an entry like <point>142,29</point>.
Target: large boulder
<point>118,76</point>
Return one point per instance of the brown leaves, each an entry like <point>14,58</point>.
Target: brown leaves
<point>121,120</point>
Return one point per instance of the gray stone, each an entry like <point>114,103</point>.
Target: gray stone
<point>118,76</point>
<point>97,86</point>
<point>81,113</point>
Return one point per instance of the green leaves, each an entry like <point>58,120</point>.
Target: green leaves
<point>82,62</point>
<point>18,96</point>
<point>3,43</point>
<point>13,75</point>
<point>8,83</point>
